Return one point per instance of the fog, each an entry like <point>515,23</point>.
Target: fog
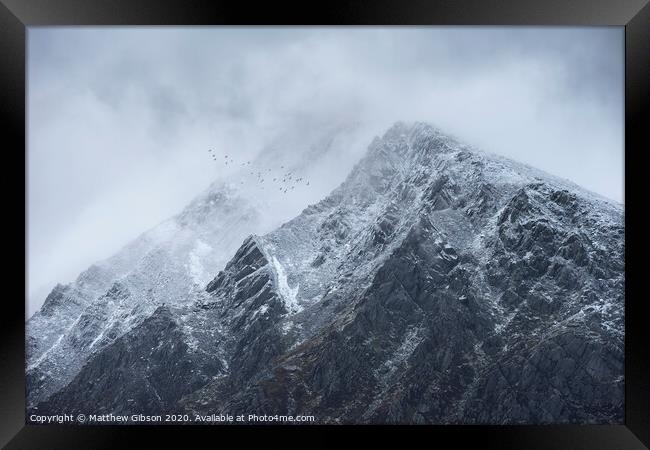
<point>119,119</point>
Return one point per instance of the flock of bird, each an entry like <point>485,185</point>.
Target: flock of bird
<point>286,182</point>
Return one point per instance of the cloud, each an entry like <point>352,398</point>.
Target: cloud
<point>119,118</point>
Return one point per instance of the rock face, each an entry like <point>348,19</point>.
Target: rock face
<point>437,284</point>
<point>145,371</point>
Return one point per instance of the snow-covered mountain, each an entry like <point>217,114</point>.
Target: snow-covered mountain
<point>171,263</point>
<point>436,284</point>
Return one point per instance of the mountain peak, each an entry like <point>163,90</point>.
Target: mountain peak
<point>433,278</point>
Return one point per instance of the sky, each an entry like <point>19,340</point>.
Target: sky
<point>119,117</point>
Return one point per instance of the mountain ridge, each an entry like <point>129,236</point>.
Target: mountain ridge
<point>350,311</point>
<point>164,265</point>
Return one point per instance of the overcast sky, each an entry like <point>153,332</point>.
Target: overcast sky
<point>119,118</point>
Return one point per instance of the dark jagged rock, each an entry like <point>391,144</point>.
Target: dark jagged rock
<point>145,371</point>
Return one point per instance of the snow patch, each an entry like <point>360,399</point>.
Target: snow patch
<point>288,294</point>
<point>287,326</point>
<point>197,271</point>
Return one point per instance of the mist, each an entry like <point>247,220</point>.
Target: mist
<point>120,118</point>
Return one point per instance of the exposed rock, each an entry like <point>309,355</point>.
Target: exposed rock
<point>435,285</point>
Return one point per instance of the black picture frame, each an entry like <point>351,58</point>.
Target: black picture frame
<point>634,15</point>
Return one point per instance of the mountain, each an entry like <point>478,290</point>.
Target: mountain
<point>436,284</point>
<point>171,263</point>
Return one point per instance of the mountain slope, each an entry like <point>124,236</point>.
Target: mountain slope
<point>169,264</point>
<point>437,284</point>
<point>164,266</point>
